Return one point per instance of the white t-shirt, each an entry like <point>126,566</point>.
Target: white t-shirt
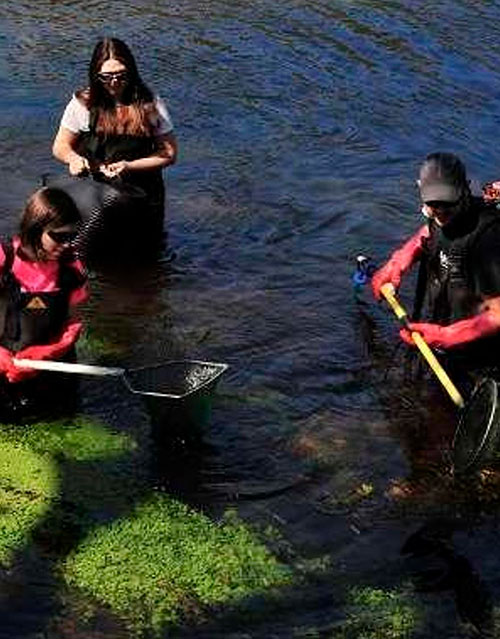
<point>76,117</point>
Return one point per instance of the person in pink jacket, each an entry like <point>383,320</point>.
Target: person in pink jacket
<point>41,283</point>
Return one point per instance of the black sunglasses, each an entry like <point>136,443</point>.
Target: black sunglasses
<point>108,77</point>
<point>438,204</point>
<point>62,237</point>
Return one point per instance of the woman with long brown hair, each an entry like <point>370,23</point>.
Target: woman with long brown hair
<point>117,129</point>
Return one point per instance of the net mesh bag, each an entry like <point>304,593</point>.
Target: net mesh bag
<point>477,433</point>
<point>174,378</point>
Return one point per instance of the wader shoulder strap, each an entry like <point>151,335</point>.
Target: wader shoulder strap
<point>93,114</point>
<point>11,294</point>
<point>422,279</point>
<point>8,250</point>
<point>418,301</point>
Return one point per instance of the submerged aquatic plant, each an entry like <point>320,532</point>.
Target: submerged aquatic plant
<point>28,484</point>
<point>374,613</point>
<point>72,485</point>
<point>167,558</point>
<point>80,439</point>
<point>31,476</point>
<point>91,344</point>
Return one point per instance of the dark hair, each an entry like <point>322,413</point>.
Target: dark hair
<point>47,207</point>
<point>136,119</point>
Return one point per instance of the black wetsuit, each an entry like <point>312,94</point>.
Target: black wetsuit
<point>462,262</point>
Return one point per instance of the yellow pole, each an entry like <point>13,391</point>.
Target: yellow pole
<point>388,292</point>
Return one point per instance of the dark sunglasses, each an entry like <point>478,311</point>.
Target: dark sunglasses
<point>444,206</point>
<point>107,78</point>
<point>62,237</point>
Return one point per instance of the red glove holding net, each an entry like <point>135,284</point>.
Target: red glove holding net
<point>54,350</point>
<point>456,334</point>
<point>399,262</point>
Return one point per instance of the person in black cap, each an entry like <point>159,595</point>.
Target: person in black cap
<point>459,253</point>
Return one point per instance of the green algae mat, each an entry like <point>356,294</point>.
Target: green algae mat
<point>146,557</point>
<point>152,565</point>
<point>28,484</point>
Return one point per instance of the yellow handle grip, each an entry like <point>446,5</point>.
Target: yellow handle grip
<point>387,291</point>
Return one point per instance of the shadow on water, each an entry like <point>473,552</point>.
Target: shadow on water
<point>33,592</point>
<point>436,565</point>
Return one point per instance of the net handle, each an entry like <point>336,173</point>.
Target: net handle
<point>388,292</point>
<point>89,369</point>
<point>67,367</point>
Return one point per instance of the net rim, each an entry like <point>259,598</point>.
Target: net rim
<point>218,366</point>
<point>493,386</point>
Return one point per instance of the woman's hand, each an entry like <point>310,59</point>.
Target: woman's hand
<point>17,374</point>
<point>114,169</point>
<point>78,165</point>
<point>464,331</point>
<point>13,373</point>
<point>165,155</point>
<point>5,360</point>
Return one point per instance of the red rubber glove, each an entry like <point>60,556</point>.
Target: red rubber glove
<point>12,372</point>
<point>399,262</point>
<point>56,349</point>
<point>456,334</point>
<point>16,374</point>
<point>5,360</point>
<point>44,351</point>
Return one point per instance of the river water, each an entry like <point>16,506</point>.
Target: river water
<point>300,128</point>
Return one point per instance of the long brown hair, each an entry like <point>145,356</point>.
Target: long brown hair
<point>138,112</point>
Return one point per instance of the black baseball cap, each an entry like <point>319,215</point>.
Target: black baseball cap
<point>442,178</point>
